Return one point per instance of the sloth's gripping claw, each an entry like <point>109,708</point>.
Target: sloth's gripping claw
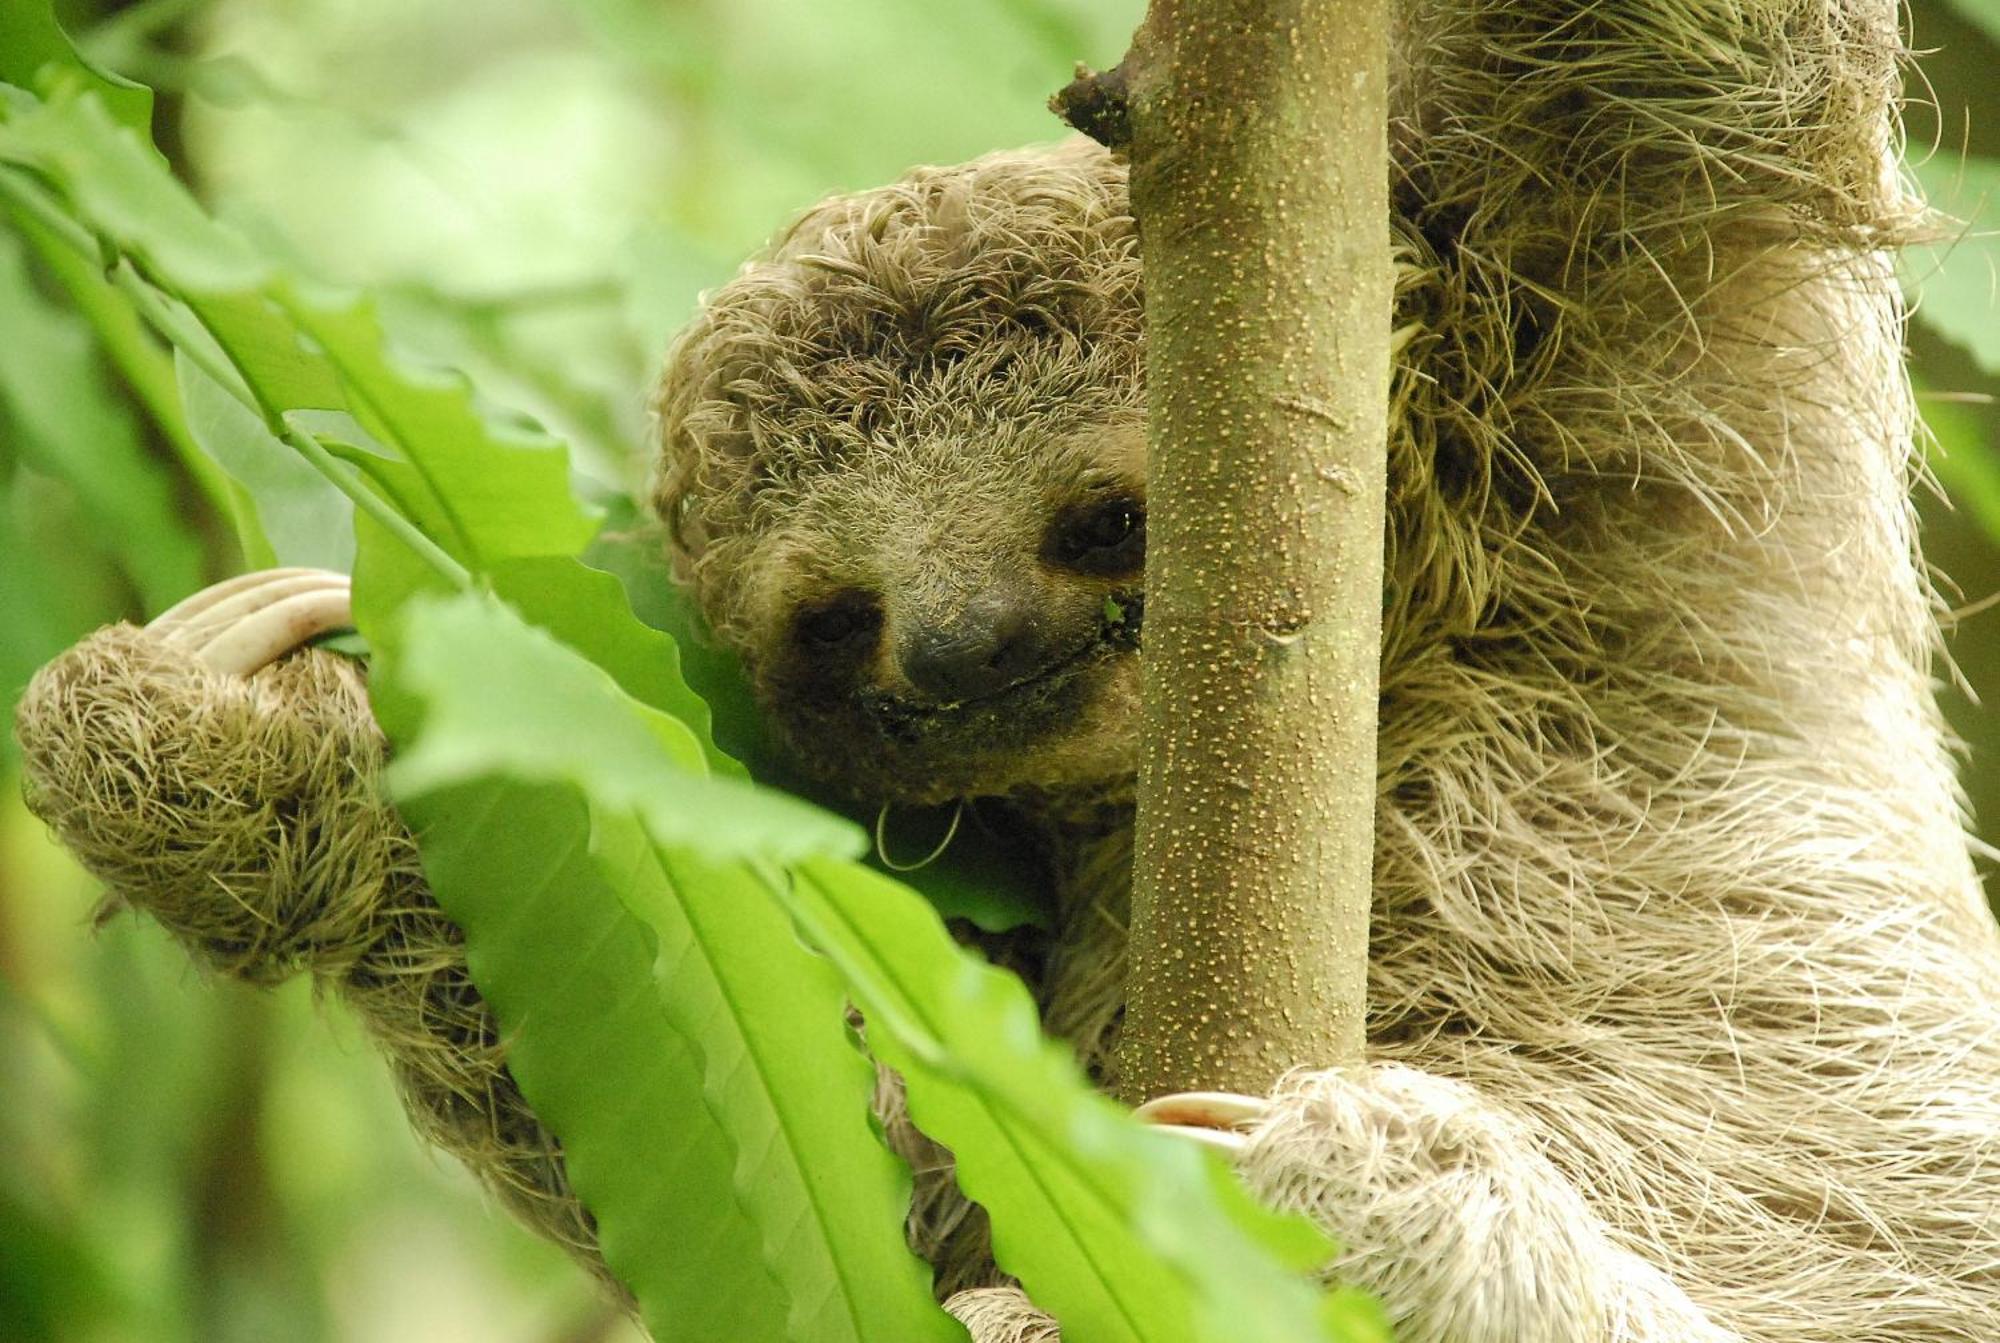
<point>247,622</point>
<point>1219,1119</point>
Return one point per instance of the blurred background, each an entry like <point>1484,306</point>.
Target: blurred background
<point>539,189</point>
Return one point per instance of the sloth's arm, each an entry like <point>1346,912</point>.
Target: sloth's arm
<point>223,778</point>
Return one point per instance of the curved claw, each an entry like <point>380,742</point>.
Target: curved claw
<point>241,625</point>
<point>276,630</point>
<point>1219,1119</point>
<point>199,617</point>
<point>194,604</point>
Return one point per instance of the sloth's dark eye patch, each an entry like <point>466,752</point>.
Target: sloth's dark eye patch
<point>1106,537</point>
<point>848,622</point>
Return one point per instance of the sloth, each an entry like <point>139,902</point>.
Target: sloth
<point>1684,1002</point>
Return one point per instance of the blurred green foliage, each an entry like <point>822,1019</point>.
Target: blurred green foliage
<point>539,189</point>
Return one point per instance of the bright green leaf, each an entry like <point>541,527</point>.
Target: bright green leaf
<point>571,976</point>
<point>118,181</point>
<point>488,495</point>
<point>1957,283</point>
<point>586,609</point>
<point>1985,13</point>
<point>1964,459</point>
<point>497,497</point>
<point>1119,1232</point>
<point>766,1016</point>
<point>34,50</point>
<point>788,1084</point>
<point>504,697</point>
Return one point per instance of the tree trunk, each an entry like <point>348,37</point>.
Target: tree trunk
<point>1257,136</point>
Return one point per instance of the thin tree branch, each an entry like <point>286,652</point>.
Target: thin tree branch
<point>1257,136</point>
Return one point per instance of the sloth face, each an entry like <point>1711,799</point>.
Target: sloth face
<point>944,624</point>
<point>902,470</point>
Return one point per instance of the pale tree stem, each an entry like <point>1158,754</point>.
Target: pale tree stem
<point>1258,146</point>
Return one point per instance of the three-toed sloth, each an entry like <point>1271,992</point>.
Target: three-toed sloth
<point>1684,1005</point>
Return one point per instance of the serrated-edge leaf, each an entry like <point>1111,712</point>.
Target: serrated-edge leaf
<point>504,696</point>
<point>765,1015</point>
<point>785,1081</point>
<point>493,495</point>
<point>1075,1188</point>
<point>501,498</point>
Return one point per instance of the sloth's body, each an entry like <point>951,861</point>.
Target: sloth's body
<point>1669,871</point>
<point>1685,1005</point>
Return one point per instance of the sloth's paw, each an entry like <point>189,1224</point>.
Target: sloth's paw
<point>1443,1206</point>
<point>221,785</point>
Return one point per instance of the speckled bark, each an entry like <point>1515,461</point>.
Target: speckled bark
<point>1260,181</point>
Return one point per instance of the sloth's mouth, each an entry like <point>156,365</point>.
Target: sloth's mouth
<point>1042,690</point>
<point>906,719</point>
<point>1062,667</point>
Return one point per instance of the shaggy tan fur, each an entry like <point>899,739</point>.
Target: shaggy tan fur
<point>1670,876</point>
<point>1684,1004</point>
<point>246,815</point>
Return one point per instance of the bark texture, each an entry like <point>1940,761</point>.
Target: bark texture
<point>1260,182</point>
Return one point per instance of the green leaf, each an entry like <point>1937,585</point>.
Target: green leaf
<point>1963,458</point>
<point>303,518</point>
<point>504,697</point>
<point>787,1082</point>
<point>41,612</point>
<point>72,428</point>
<point>116,180</point>
<point>586,609</point>
<point>1120,1232</point>
<point>766,1017</point>
<point>486,495</point>
<point>571,976</point>
<point>1985,13</point>
<point>492,496</point>
<point>34,50</point>
<point>147,368</point>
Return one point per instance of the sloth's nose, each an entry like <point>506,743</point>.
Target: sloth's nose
<point>986,647</point>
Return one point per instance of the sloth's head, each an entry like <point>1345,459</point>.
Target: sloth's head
<point>903,469</point>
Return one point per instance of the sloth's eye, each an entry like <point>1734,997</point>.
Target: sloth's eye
<point>1104,538</point>
<point>841,622</point>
